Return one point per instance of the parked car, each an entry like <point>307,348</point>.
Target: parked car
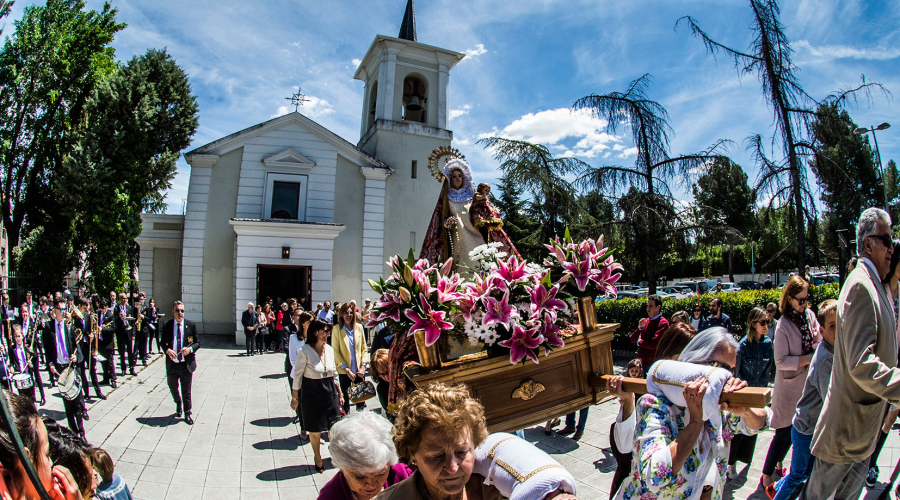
<point>627,288</point>
<point>696,287</point>
<point>675,293</point>
<point>750,285</point>
<point>730,287</point>
<point>630,294</point>
<point>824,279</point>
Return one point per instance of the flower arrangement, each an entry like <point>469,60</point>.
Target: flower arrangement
<point>508,302</point>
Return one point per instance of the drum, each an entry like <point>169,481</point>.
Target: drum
<point>69,383</point>
<point>22,381</point>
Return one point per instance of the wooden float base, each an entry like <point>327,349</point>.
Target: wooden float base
<point>524,395</point>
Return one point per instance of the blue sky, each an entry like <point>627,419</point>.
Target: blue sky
<point>528,61</point>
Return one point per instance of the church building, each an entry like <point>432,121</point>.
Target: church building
<point>287,208</point>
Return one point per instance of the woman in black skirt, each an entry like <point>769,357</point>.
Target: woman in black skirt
<point>316,373</point>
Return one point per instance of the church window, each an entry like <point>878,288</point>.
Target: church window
<point>415,169</point>
<point>373,100</point>
<point>285,200</point>
<point>414,99</point>
<point>412,239</point>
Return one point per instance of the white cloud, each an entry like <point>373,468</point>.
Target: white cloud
<point>843,51</point>
<point>463,110</point>
<point>556,127</point>
<point>777,202</point>
<point>356,62</point>
<point>313,108</point>
<point>477,51</point>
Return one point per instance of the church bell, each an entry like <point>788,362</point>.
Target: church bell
<point>414,104</point>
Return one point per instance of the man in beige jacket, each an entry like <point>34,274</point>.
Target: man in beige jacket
<point>865,373</point>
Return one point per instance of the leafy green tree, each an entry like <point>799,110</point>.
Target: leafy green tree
<point>846,171</point>
<point>649,201</point>
<point>725,204</point>
<point>892,183</point>
<point>140,119</point>
<point>769,57</point>
<point>48,69</point>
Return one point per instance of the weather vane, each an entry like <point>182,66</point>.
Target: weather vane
<point>297,99</point>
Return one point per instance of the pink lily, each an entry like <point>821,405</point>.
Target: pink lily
<point>580,271</point>
<point>521,344</point>
<point>431,322</point>
<point>467,302</point>
<point>390,307</point>
<point>551,333</point>
<point>445,269</point>
<point>542,299</point>
<point>512,271</point>
<point>421,278</point>
<point>498,311</point>
<point>446,288</point>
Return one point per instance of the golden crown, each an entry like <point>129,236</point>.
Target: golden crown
<point>434,161</point>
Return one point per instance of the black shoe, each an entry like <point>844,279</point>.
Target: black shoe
<point>84,415</point>
<point>113,384</point>
<point>872,477</point>
<point>133,372</point>
<point>100,395</point>
<point>188,420</point>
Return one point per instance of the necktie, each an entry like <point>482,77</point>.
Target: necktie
<point>61,342</point>
<point>178,341</point>
<point>21,354</point>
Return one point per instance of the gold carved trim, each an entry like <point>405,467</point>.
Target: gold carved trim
<point>508,468</point>
<point>528,389</point>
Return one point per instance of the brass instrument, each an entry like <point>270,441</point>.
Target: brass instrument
<point>95,342</point>
<point>139,315</point>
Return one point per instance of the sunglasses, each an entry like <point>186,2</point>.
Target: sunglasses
<point>803,300</point>
<point>763,322</point>
<point>883,238</point>
<point>179,311</point>
<point>771,311</point>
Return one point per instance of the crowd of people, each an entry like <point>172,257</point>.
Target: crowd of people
<point>74,341</point>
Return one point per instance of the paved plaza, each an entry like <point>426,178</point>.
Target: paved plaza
<point>244,444</point>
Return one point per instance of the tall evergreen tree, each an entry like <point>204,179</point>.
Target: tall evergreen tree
<point>725,204</point>
<point>516,222</point>
<point>846,172</point>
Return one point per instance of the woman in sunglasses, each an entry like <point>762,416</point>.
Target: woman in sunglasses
<point>754,363</point>
<point>696,316</point>
<point>796,337</point>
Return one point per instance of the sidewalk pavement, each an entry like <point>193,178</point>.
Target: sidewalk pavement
<point>244,445</point>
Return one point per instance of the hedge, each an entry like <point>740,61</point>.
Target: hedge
<point>627,312</point>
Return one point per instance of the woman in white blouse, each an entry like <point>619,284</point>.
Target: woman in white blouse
<point>314,372</point>
<point>301,323</point>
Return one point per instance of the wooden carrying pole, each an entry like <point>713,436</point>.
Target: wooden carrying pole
<point>748,397</point>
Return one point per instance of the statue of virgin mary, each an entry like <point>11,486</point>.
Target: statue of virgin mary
<point>457,226</point>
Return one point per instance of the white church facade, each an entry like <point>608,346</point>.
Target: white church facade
<point>286,208</point>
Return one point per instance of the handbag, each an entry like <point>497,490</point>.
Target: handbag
<point>361,391</point>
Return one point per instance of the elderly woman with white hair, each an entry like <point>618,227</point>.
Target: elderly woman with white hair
<point>682,439</point>
<point>363,449</point>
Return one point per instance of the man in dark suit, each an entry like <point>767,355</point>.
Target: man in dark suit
<point>29,329</point>
<point>248,319</point>
<point>18,359</point>
<point>62,350</point>
<point>107,344</point>
<point>180,342</point>
<point>8,316</point>
<point>140,334</point>
<point>82,321</point>
<point>124,333</point>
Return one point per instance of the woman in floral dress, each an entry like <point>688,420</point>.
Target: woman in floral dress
<point>675,449</point>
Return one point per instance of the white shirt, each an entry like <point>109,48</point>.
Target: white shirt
<point>310,365</point>
<point>175,341</point>
<point>623,431</point>
<point>294,345</point>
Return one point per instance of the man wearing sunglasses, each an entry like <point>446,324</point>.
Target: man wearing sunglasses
<point>865,372</point>
<point>180,342</point>
<point>717,317</point>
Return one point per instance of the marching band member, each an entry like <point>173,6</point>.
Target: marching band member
<point>107,343</point>
<point>19,356</point>
<point>84,323</point>
<point>8,316</point>
<point>62,350</point>
<point>29,330</point>
<point>42,316</point>
<point>124,333</point>
<point>142,334</point>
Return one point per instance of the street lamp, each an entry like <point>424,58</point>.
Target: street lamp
<point>864,130</point>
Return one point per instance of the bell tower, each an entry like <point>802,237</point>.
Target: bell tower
<point>405,116</point>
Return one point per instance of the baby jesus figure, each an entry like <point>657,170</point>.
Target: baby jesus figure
<point>486,218</point>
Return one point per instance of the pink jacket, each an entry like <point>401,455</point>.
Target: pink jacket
<point>790,377</point>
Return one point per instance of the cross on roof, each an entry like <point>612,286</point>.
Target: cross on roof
<point>297,99</point>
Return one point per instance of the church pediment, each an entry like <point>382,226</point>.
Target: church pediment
<point>289,159</point>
